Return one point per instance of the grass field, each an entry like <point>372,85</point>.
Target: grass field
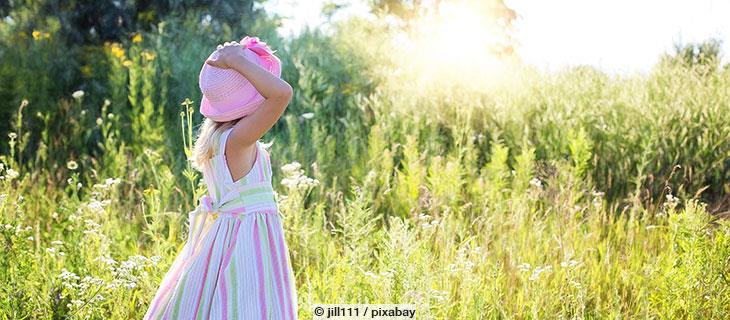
<point>572,194</point>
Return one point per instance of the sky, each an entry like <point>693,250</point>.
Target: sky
<point>617,36</point>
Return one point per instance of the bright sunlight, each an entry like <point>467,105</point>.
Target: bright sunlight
<point>453,44</point>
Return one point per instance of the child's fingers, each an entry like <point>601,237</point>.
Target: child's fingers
<point>212,62</point>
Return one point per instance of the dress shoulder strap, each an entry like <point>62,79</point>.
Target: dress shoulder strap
<point>222,142</point>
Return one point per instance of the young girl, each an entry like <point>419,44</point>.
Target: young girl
<point>235,262</point>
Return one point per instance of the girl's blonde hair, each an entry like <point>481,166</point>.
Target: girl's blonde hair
<point>206,143</point>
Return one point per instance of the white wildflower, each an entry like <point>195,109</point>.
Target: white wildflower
<point>78,94</point>
<point>535,182</point>
<point>12,174</point>
<point>107,260</point>
<point>291,168</point>
<point>295,178</point>
<point>91,227</point>
<point>570,263</point>
<point>12,135</point>
<point>67,275</point>
<point>308,115</point>
<point>671,202</point>
<point>72,165</point>
<point>538,271</point>
<point>95,206</point>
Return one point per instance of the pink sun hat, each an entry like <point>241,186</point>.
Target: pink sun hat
<point>228,95</point>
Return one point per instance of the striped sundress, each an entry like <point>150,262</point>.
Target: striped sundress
<point>235,263</point>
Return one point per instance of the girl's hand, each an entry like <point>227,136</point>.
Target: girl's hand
<point>226,55</point>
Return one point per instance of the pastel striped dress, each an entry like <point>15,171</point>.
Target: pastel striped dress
<point>235,263</point>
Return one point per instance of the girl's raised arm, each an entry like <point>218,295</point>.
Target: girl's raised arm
<point>277,94</point>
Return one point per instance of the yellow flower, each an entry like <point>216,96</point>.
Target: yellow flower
<point>36,34</point>
<point>127,63</point>
<point>137,38</point>
<point>148,55</point>
<point>117,50</point>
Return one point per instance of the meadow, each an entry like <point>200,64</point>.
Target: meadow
<point>571,194</point>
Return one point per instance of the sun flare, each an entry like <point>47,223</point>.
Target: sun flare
<point>452,43</point>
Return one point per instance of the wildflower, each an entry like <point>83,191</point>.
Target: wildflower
<point>12,174</point>
<point>91,227</point>
<point>117,51</point>
<point>539,270</point>
<point>291,167</point>
<point>99,121</point>
<point>148,55</point>
<point>72,165</point>
<point>78,94</point>
<point>308,115</point>
<point>95,207</point>
<point>36,34</point>
<point>137,38</point>
<point>107,260</point>
<point>671,202</point>
<point>569,264</point>
<point>535,182</point>
<point>575,284</point>
<point>127,63</point>
<point>67,275</point>
<point>12,135</point>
